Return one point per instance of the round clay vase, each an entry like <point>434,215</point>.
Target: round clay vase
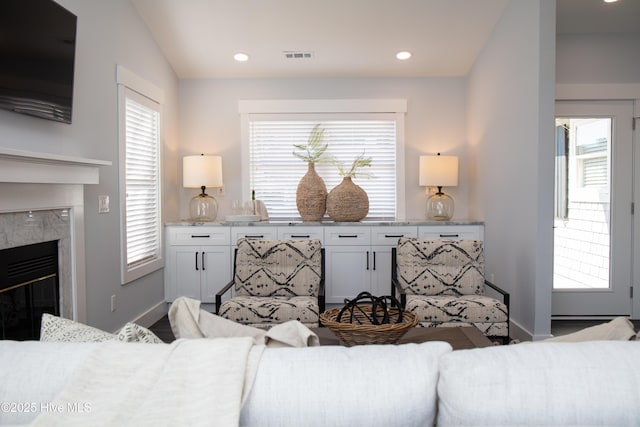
<point>347,202</point>
<point>311,196</point>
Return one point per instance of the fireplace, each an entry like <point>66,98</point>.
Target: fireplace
<point>29,287</point>
<point>42,200</point>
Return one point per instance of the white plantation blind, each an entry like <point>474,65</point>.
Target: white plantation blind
<point>142,178</point>
<point>275,171</point>
<point>140,124</point>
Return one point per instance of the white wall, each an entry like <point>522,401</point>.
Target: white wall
<point>210,124</point>
<point>109,33</point>
<point>510,117</point>
<point>598,58</point>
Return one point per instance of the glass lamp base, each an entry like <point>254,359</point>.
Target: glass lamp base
<point>203,208</point>
<point>439,207</point>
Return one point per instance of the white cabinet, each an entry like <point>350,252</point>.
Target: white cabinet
<point>199,259</point>
<point>198,262</point>
<point>358,259</point>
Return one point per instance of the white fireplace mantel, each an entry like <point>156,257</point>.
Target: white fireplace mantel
<point>19,166</point>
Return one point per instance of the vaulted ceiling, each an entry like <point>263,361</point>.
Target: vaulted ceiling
<point>336,38</point>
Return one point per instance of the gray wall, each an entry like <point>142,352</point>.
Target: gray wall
<point>109,33</point>
<point>510,116</point>
<point>210,124</point>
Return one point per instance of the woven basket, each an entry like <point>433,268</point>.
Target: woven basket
<point>353,333</point>
<point>347,202</point>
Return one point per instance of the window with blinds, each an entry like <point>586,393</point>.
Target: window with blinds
<point>140,173</point>
<point>142,183</point>
<point>275,171</point>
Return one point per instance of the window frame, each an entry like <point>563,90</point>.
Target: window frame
<point>132,86</point>
<point>395,108</point>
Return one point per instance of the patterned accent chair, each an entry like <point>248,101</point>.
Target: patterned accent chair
<point>275,281</point>
<point>442,282</point>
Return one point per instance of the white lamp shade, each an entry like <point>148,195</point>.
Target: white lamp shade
<point>199,171</point>
<point>439,171</point>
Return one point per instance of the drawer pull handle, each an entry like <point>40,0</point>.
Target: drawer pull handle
<point>397,236</point>
<point>200,236</point>
<point>449,235</point>
<point>300,236</point>
<point>254,236</point>
<point>347,236</point>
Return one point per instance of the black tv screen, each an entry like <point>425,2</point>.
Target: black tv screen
<point>37,55</point>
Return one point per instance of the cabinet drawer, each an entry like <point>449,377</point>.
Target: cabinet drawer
<point>452,232</point>
<point>347,235</point>
<point>389,235</point>
<point>298,233</point>
<point>263,233</point>
<point>197,236</point>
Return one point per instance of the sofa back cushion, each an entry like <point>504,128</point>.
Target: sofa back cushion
<point>568,384</point>
<point>366,385</point>
<point>285,268</point>
<point>440,267</point>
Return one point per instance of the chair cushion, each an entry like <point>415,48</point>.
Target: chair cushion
<point>285,268</point>
<point>466,308</point>
<point>440,267</point>
<point>249,310</point>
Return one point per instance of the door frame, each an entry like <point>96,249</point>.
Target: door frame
<point>608,92</point>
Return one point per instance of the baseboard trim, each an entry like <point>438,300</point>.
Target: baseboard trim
<point>151,316</point>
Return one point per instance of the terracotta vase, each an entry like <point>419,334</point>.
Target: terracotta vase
<point>311,196</point>
<point>347,202</point>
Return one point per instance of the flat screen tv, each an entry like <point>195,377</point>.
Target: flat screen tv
<point>37,56</point>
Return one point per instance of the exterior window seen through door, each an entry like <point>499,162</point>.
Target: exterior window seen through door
<point>582,203</point>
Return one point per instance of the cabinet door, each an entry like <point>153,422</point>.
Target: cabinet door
<point>182,278</point>
<point>215,271</point>
<point>347,272</point>
<point>380,270</point>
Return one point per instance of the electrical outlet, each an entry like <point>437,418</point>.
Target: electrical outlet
<point>113,303</point>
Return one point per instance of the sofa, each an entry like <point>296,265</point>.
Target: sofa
<point>546,383</point>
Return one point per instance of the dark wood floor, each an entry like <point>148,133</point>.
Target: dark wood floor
<point>162,328</point>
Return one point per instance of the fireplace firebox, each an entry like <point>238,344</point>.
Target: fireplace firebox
<point>29,287</point>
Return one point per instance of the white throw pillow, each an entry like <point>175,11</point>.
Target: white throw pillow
<point>58,329</point>
<point>369,385</point>
<point>588,383</point>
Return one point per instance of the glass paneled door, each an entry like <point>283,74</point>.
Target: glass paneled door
<point>593,209</point>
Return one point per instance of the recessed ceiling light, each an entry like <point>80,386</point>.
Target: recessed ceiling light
<point>403,55</point>
<point>241,57</point>
<point>610,1</point>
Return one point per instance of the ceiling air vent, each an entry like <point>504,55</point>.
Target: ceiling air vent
<point>297,55</point>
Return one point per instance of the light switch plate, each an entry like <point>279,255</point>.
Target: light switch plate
<point>103,204</point>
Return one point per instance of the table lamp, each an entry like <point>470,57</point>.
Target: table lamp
<point>202,172</point>
<point>439,171</point>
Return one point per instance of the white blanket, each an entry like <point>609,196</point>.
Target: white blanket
<point>189,382</point>
<point>188,320</point>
